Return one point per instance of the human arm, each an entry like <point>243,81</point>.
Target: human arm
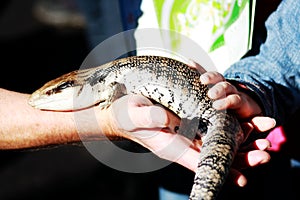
<point>132,117</point>
<point>22,126</point>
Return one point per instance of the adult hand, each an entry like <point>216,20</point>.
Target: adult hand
<point>227,96</point>
<point>136,118</point>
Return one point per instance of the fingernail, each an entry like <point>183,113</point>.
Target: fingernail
<point>211,94</point>
<point>204,79</point>
<point>274,122</point>
<point>242,182</point>
<point>218,104</point>
<point>263,144</point>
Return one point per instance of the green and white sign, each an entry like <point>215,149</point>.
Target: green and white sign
<point>223,28</point>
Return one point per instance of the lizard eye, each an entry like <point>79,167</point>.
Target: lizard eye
<point>60,87</point>
<point>64,85</point>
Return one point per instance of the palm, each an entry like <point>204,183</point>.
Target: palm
<point>153,127</point>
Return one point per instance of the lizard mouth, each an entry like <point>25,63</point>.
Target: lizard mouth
<point>54,102</point>
<point>37,101</point>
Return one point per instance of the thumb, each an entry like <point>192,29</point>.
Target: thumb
<point>143,114</point>
<point>132,112</point>
<point>148,116</point>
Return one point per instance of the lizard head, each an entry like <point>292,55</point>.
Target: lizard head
<point>64,93</point>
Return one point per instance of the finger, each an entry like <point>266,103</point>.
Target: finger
<point>211,78</point>
<point>262,144</point>
<point>221,90</point>
<point>172,147</point>
<point>251,159</point>
<point>257,157</point>
<point>138,100</point>
<point>247,129</point>
<point>232,101</point>
<point>133,111</point>
<point>237,178</point>
<point>153,117</point>
<point>189,159</point>
<point>263,124</point>
<point>193,64</point>
<point>259,144</point>
<point>144,114</point>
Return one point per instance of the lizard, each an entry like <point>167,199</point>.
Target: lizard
<point>169,82</point>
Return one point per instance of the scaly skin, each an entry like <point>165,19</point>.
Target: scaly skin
<point>168,82</point>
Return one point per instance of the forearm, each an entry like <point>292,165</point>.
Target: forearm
<point>22,126</point>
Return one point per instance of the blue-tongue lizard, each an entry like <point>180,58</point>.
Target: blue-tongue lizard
<point>172,84</point>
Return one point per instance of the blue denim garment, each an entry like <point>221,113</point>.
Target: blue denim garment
<point>170,195</point>
<point>274,74</point>
<point>106,18</point>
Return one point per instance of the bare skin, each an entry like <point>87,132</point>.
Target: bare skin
<point>22,126</point>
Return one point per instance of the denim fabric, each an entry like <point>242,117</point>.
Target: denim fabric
<point>103,19</point>
<point>168,195</point>
<point>106,18</point>
<point>274,74</point>
<point>131,12</point>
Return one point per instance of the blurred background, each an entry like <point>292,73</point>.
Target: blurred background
<point>34,50</point>
<point>37,45</point>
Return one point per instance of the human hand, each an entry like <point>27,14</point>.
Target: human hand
<point>227,96</point>
<point>136,118</point>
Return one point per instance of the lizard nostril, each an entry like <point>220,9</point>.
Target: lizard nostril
<point>176,129</point>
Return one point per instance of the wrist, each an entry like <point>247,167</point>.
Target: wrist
<point>108,124</point>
